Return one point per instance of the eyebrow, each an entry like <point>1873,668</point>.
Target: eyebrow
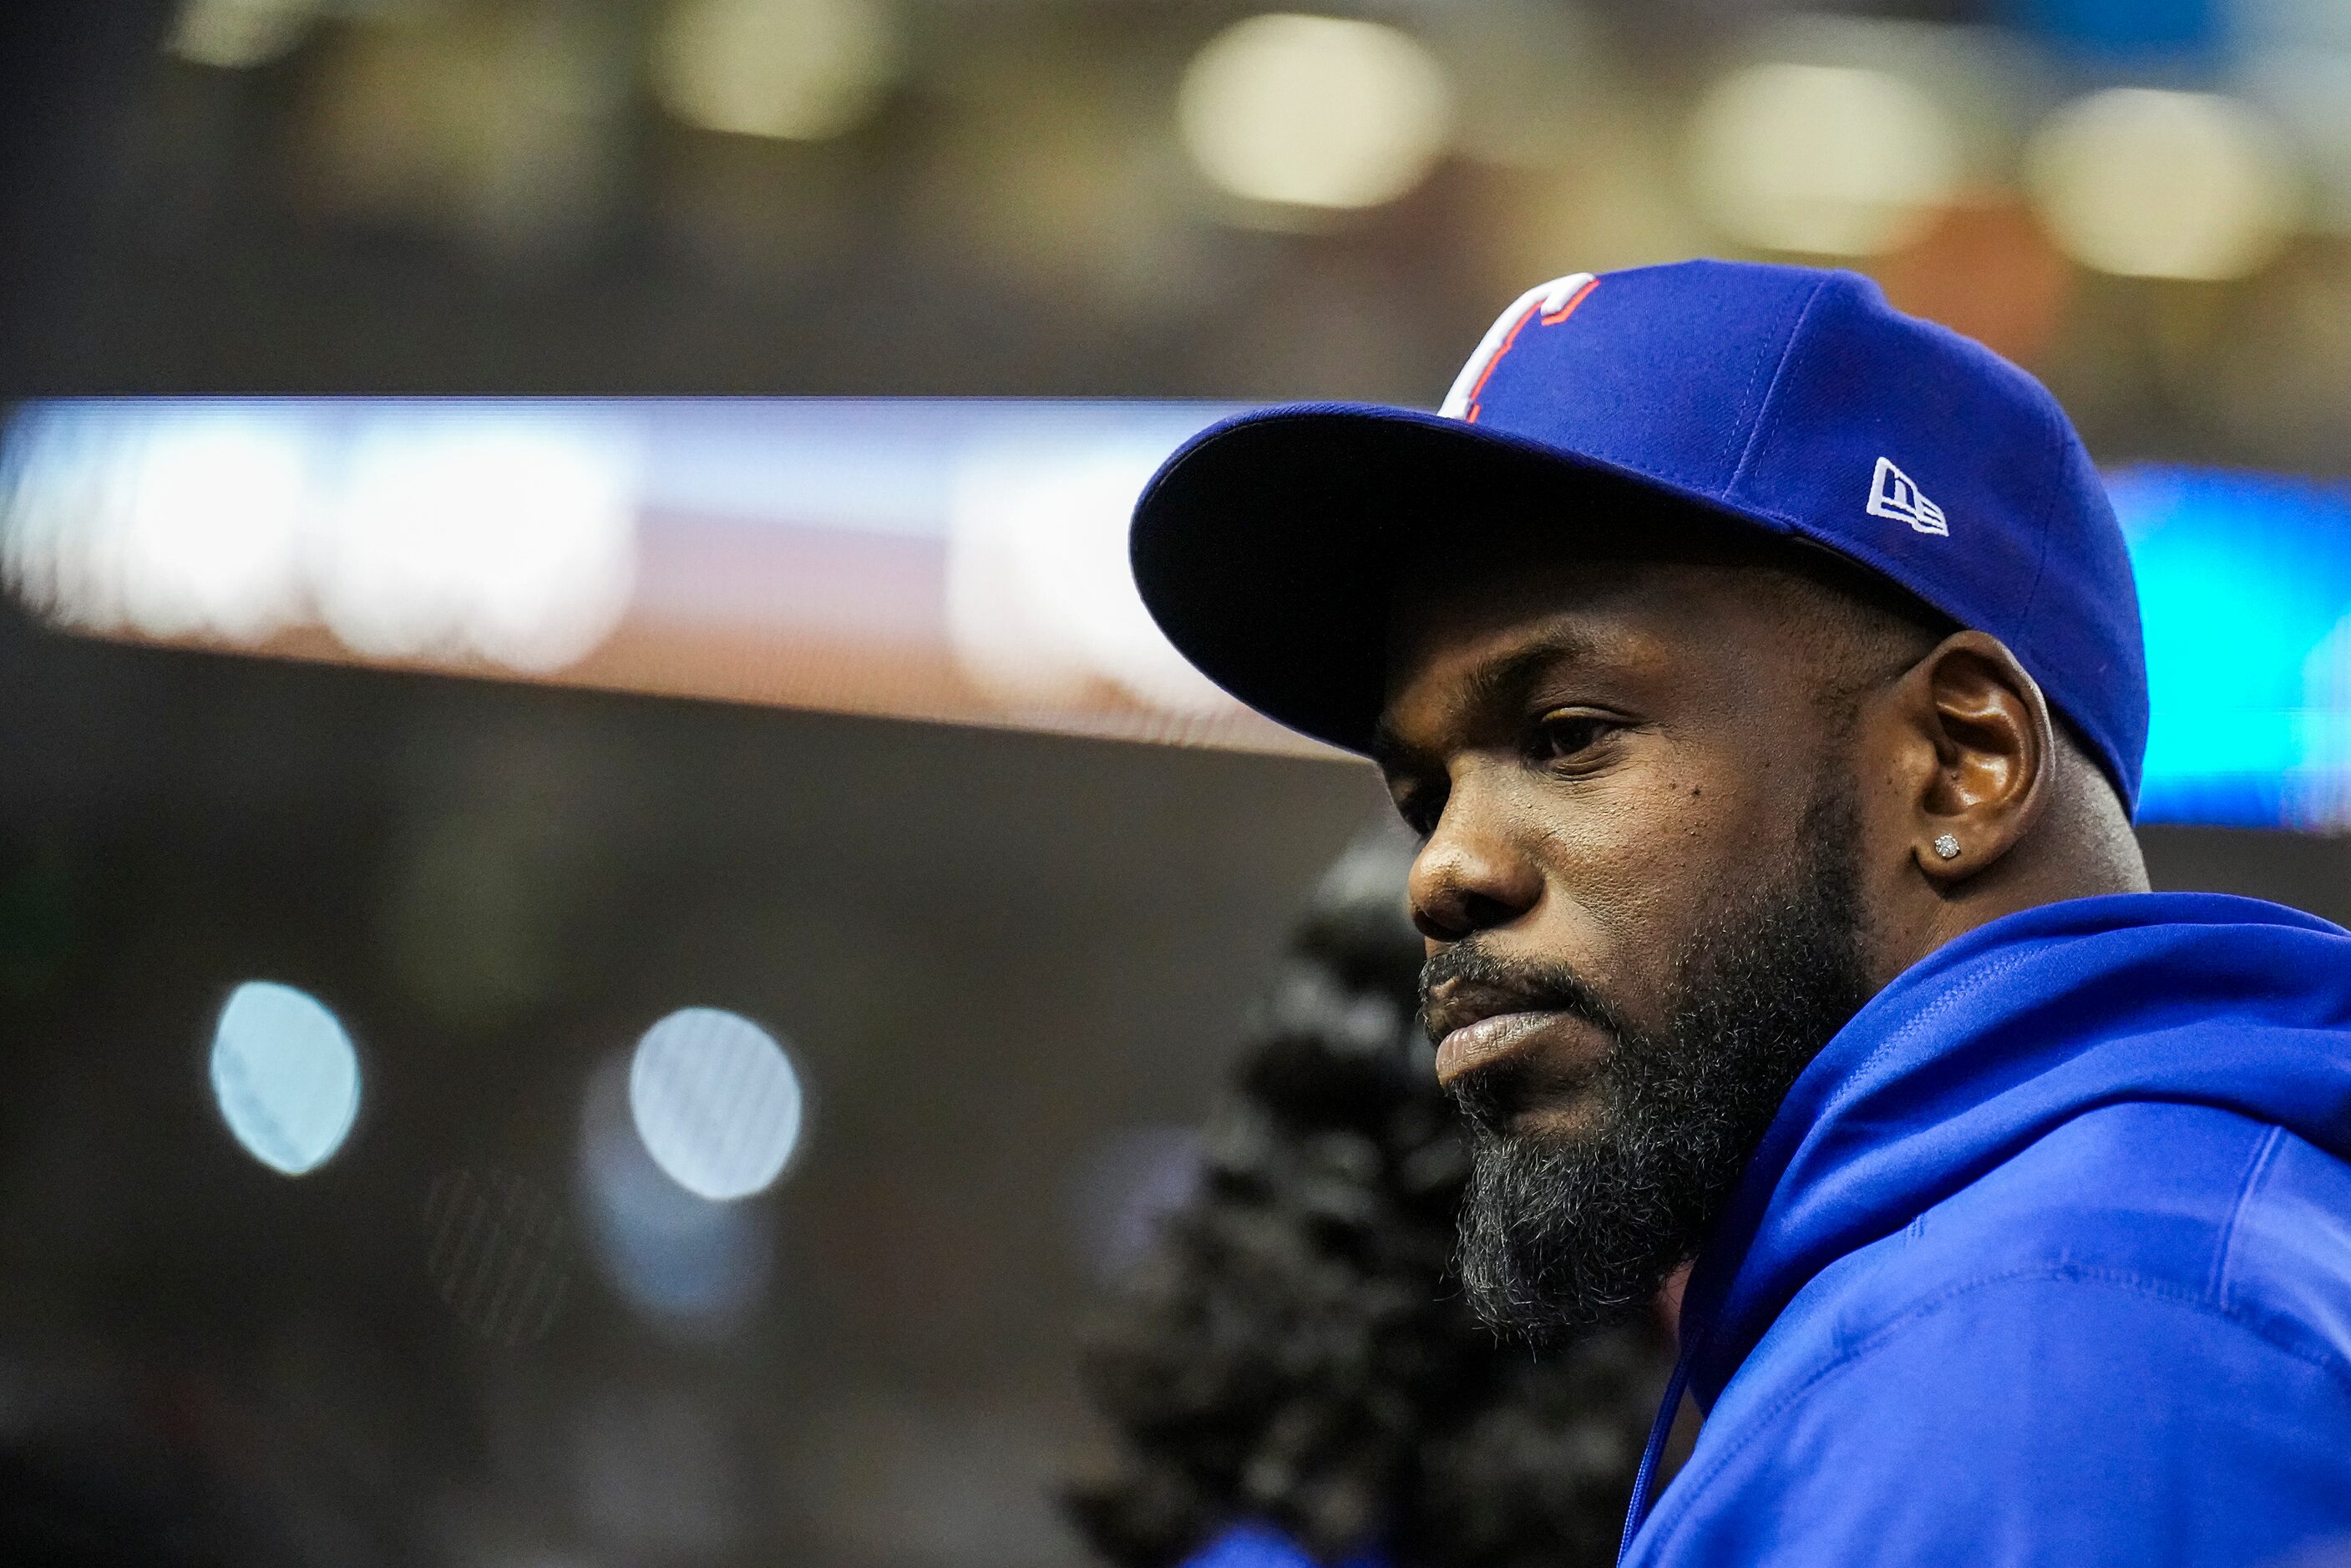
<point>1503,679</point>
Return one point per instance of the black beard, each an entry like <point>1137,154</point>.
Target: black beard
<point>1560,1234</point>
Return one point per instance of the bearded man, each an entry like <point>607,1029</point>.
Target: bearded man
<point>1763,671</point>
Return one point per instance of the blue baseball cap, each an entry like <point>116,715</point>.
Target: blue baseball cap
<point>1792,400</point>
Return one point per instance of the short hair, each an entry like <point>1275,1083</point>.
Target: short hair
<point>1871,629</point>
<point>1868,631</point>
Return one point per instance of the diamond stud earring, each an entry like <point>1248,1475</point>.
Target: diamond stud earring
<point>1947,847</point>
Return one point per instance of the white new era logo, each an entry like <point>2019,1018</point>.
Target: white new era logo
<point>1893,493</point>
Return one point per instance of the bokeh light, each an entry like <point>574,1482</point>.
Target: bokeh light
<point>500,123</point>
<point>717,1102</point>
<point>677,1257</point>
<point>284,1075</point>
<point>1041,602</point>
<point>799,70</point>
<point>2154,183</point>
<point>2244,580</point>
<point>237,35</point>
<point>508,538</point>
<point>1829,159</point>
<point>477,532</point>
<point>1315,111</point>
<point>187,525</point>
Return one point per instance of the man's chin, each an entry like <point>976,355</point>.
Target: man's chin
<point>1555,1240</point>
<point>1586,1193</point>
<point>1562,1123</point>
<point>1544,1111</point>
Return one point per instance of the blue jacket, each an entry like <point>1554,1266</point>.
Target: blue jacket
<point>2046,1259</point>
<point>1254,1545</point>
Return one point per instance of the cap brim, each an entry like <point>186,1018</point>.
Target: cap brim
<point>1268,547</point>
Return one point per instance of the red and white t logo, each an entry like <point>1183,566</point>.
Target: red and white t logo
<point>1548,302</point>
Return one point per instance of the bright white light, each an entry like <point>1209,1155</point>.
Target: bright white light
<point>285,1074</point>
<point>715,1101</point>
<point>212,525</point>
<point>1041,603</point>
<point>1315,111</point>
<point>797,69</point>
<point>2150,184</point>
<point>191,525</point>
<point>236,34</point>
<point>489,533</point>
<point>512,537</point>
<point>1831,160</point>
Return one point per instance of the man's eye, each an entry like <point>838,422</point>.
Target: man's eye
<point>1563,737</point>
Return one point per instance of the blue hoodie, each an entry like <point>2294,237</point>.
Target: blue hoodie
<point>2046,1259</point>
<point>1254,1545</point>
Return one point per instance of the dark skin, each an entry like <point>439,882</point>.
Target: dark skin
<point>1598,750</point>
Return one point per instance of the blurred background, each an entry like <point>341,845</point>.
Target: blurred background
<point>611,915</point>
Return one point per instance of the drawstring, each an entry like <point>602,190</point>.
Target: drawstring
<point>1660,1431</point>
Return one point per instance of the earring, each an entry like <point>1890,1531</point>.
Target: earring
<point>1947,847</point>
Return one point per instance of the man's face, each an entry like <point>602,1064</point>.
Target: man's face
<point>1638,891</point>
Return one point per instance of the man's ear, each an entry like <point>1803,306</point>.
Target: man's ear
<point>1976,754</point>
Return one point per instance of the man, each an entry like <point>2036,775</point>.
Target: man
<point>1762,669</point>
<point>1287,1379</point>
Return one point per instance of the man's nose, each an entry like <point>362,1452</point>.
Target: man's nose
<point>1472,875</point>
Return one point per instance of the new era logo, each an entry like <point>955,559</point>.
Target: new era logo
<point>1893,493</point>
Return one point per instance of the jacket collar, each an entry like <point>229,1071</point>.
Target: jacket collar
<point>1997,1038</point>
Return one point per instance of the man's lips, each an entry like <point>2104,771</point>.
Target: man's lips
<point>1478,1022</point>
<point>1493,1038</point>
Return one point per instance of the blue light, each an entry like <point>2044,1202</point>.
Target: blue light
<point>2127,29</point>
<point>689,1262</point>
<point>717,1102</point>
<point>285,1074</point>
<point>2244,584</point>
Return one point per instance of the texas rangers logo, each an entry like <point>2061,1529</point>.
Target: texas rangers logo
<point>1894,494</point>
<point>1550,303</point>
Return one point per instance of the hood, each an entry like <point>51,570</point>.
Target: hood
<point>1994,1040</point>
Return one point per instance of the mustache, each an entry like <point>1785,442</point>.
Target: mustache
<point>1527,984</point>
<point>1486,1099</point>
